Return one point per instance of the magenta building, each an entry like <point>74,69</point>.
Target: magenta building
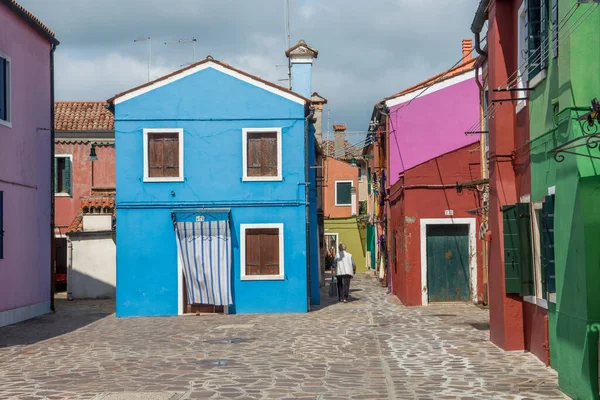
<point>26,153</point>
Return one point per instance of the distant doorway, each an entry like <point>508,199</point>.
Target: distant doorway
<point>448,260</point>
<point>448,263</point>
<point>60,275</point>
<point>331,245</point>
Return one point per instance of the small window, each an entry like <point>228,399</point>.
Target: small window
<point>163,155</point>
<point>262,154</point>
<point>63,176</point>
<point>1,225</point>
<point>262,252</point>
<point>5,90</point>
<point>343,193</point>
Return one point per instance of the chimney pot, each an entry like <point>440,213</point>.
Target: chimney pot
<point>467,47</point>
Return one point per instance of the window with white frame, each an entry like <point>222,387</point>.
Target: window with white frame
<point>63,175</point>
<point>5,97</point>
<point>261,154</point>
<point>163,155</point>
<point>261,252</point>
<point>536,217</point>
<point>343,193</point>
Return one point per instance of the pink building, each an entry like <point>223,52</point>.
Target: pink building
<point>26,162</point>
<point>433,227</point>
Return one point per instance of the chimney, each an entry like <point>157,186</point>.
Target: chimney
<point>318,101</point>
<point>467,47</point>
<point>339,140</point>
<point>301,58</point>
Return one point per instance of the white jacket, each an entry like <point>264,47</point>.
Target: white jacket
<point>344,264</point>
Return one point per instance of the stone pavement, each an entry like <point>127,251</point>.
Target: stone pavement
<point>370,348</point>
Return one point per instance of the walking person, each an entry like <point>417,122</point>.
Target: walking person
<point>345,268</point>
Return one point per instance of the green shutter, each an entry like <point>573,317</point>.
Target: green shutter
<point>527,276</point>
<point>512,263</point>
<point>55,175</point>
<point>67,176</point>
<point>548,244</point>
<point>344,193</point>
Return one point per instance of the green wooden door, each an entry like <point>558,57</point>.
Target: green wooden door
<point>448,263</point>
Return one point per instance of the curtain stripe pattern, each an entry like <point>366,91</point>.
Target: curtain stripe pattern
<point>205,251</point>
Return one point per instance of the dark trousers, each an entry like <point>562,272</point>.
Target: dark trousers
<point>343,284</point>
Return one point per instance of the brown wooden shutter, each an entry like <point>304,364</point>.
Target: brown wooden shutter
<point>262,252</point>
<point>171,154</point>
<point>254,155</point>
<point>262,154</point>
<point>252,252</point>
<point>269,154</point>
<point>269,251</point>
<point>163,155</point>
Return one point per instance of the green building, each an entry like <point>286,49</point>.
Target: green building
<point>565,179</point>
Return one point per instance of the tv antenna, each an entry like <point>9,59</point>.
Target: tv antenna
<point>185,41</point>
<point>287,35</point>
<point>149,41</point>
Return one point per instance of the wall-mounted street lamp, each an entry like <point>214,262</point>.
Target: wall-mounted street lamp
<point>353,162</point>
<point>93,156</point>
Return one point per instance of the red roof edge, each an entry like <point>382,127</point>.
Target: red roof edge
<point>31,20</point>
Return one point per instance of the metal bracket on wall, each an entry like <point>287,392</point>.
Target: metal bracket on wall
<point>589,141</point>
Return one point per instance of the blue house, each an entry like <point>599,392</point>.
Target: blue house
<point>216,197</point>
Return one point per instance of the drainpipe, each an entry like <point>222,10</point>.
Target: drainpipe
<point>480,17</point>
<point>52,172</point>
<point>307,120</point>
<point>69,268</point>
<point>482,161</point>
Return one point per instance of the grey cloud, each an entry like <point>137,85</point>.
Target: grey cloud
<point>367,49</point>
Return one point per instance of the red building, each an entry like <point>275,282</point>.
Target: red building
<point>428,212</point>
<point>80,128</point>
<point>515,323</point>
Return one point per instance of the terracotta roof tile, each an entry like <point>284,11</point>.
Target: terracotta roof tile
<point>31,19</point>
<point>207,60</point>
<point>82,116</point>
<point>339,127</point>
<point>458,70</point>
<point>98,204</point>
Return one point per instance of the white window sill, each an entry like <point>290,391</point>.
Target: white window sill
<point>262,179</point>
<point>343,205</point>
<point>173,179</point>
<point>7,124</point>
<point>537,301</point>
<point>62,195</point>
<point>263,278</point>
<point>536,80</point>
<point>520,106</point>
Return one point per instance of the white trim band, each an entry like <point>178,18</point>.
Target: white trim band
<point>17,315</point>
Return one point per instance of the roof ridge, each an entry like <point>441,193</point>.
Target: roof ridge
<point>208,59</point>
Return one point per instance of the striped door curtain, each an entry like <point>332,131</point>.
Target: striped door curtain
<point>205,251</point>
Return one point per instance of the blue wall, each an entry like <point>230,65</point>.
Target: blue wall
<point>212,108</point>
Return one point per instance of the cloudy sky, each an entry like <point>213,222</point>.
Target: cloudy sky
<point>368,49</point>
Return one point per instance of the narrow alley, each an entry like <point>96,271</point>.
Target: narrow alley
<point>369,348</point>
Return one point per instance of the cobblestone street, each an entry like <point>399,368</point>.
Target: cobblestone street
<point>370,348</point>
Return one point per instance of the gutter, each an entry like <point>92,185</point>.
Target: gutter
<point>307,120</point>
<point>477,25</point>
<point>52,172</point>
